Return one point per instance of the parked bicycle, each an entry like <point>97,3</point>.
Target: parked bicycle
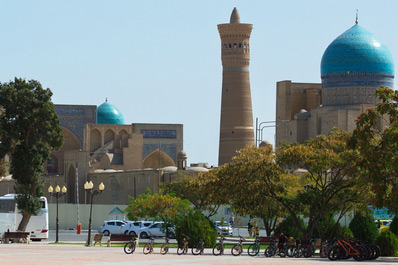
<point>343,249</point>
<point>237,249</point>
<point>324,249</point>
<point>219,247</point>
<point>129,248</point>
<point>200,247</point>
<point>165,246</point>
<point>148,248</point>
<point>183,248</point>
<point>272,248</point>
<point>254,248</point>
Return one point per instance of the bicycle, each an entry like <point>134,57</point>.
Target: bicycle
<point>148,248</point>
<point>165,247</point>
<point>254,248</point>
<point>200,247</point>
<point>271,249</point>
<point>183,248</point>
<point>129,248</point>
<point>324,249</point>
<point>343,249</point>
<point>219,247</point>
<point>238,248</point>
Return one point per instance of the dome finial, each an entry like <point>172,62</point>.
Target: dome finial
<point>106,99</point>
<point>235,18</point>
<point>356,18</point>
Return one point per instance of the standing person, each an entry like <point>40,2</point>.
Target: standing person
<point>249,227</point>
<point>231,220</point>
<point>281,241</point>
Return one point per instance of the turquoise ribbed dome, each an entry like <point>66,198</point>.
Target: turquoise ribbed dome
<point>357,51</point>
<point>109,114</point>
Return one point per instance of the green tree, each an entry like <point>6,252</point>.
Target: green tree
<point>29,129</point>
<point>187,187</point>
<point>376,136</point>
<point>321,178</point>
<point>236,184</point>
<point>363,227</point>
<point>163,207</point>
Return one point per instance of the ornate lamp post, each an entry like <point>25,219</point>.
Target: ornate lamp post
<point>57,194</point>
<point>88,186</point>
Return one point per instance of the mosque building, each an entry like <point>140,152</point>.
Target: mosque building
<point>353,66</point>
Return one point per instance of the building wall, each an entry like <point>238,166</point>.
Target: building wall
<point>291,99</point>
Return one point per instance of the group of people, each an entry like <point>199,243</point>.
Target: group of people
<point>252,228</point>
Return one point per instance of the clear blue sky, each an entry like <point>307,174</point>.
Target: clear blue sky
<point>159,61</point>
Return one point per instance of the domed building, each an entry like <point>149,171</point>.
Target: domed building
<point>109,114</point>
<point>353,66</point>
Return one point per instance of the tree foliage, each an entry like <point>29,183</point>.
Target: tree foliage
<point>187,187</point>
<point>29,129</point>
<point>239,185</point>
<point>363,227</point>
<point>312,179</point>
<point>163,207</point>
<point>197,227</point>
<point>378,146</point>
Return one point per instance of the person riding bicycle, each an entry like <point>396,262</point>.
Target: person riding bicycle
<point>281,241</point>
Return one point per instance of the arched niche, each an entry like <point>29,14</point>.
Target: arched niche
<point>158,159</point>
<point>95,140</point>
<point>71,142</point>
<point>109,136</point>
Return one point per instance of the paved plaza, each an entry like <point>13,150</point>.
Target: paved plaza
<point>44,253</point>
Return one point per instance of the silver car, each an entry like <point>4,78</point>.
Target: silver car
<point>112,227</point>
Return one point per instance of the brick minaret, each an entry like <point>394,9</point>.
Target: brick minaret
<point>236,125</point>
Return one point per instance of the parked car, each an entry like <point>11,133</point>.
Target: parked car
<point>156,230</point>
<point>112,227</point>
<point>383,225</point>
<point>223,229</point>
<point>131,227</point>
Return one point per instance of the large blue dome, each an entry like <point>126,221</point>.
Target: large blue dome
<point>357,51</point>
<point>109,114</point>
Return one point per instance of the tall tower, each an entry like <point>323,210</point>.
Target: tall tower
<point>236,125</point>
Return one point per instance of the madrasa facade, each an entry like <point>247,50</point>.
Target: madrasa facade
<point>99,147</point>
<point>353,66</point>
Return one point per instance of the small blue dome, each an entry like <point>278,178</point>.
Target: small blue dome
<point>357,51</point>
<point>109,114</point>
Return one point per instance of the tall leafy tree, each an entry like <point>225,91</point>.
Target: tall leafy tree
<point>378,147</point>
<point>163,207</point>
<point>312,179</point>
<point>187,187</point>
<point>29,129</point>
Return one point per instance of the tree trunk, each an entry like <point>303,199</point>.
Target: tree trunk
<point>24,222</point>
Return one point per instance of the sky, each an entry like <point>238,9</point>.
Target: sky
<point>160,61</point>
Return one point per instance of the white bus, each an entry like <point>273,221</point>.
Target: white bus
<point>10,217</point>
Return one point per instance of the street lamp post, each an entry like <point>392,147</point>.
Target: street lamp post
<point>57,194</point>
<point>88,186</point>
<point>259,129</point>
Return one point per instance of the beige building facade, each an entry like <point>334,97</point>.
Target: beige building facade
<point>353,67</point>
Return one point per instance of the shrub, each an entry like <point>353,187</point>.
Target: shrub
<point>364,227</point>
<point>388,243</point>
<point>287,226</point>
<point>196,226</point>
<point>394,225</point>
<point>344,232</point>
<point>327,228</point>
